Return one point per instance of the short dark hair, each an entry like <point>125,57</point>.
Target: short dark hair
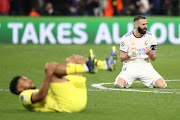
<point>139,17</point>
<point>13,85</point>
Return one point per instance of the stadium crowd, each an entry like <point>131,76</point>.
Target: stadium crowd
<point>89,7</point>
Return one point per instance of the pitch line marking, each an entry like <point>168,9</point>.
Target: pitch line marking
<point>101,88</point>
<point>3,90</point>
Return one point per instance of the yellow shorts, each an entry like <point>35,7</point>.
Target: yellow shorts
<point>71,96</point>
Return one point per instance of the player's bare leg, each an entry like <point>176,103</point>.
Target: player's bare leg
<point>60,70</point>
<point>160,83</point>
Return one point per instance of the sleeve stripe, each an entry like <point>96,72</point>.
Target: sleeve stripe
<point>123,51</point>
<point>153,47</point>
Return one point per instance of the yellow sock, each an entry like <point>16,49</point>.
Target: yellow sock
<point>101,65</point>
<point>74,68</point>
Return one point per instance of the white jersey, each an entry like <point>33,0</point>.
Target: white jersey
<point>138,67</point>
<point>129,41</point>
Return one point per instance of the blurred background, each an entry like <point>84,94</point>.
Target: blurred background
<point>89,7</point>
<point>85,21</point>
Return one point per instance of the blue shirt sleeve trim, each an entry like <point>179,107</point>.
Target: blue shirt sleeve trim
<point>123,51</point>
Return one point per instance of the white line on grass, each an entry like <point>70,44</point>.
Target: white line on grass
<point>101,88</point>
<point>3,90</point>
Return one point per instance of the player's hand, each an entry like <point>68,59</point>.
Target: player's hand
<point>133,52</point>
<point>148,50</point>
<point>50,67</point>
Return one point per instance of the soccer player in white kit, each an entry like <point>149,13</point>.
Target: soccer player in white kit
<point>137,48</point>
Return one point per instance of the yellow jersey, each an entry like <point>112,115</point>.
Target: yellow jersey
<point>68,96</point>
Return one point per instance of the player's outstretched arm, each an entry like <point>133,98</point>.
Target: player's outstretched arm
<point>41,95</point>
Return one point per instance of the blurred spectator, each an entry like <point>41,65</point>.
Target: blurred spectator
<point>80,8</point>
<point>62,7</point>
<point>144,8</point>
<point>48,9</point>
<point>34,12</point>
<point>4,7</point>
<point>113,8</point>
<point>73,7</point>
<point>130,7</point>
<point>156,7</point>
<point>166,7</point>
<point>90,6</point>
<point>100,10</point>
<point>29,5</point>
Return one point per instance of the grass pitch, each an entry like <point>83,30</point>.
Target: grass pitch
<point>139,103</point>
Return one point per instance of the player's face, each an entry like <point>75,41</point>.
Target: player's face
<point>142,26</point>
<point>25,83</point>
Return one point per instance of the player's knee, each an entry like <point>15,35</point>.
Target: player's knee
<point>160,83</point>
<point>70,60</point>
<point>51,64</point>
<point>120,83</point>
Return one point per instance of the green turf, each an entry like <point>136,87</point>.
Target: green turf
<point>29,60</point>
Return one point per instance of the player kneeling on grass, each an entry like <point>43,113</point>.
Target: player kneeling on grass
<point>137,48</point>
<point>63,89</point>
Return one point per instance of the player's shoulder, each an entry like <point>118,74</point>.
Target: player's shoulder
<point>128,34</point>
<point>149,33</point>
<point>25,96</point>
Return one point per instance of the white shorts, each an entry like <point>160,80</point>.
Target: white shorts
<point>143,71</point>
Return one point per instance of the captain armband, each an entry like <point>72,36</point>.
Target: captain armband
<point>153,47</point>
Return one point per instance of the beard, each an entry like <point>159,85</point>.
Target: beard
<point>34,87</point>
<point>142,30</point>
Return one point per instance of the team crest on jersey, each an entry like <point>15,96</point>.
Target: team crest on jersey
<point>145,43</point>
<point>122,44</point>
<point>132,43</point>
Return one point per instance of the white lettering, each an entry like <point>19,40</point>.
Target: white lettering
<point>163,32</point>
<point>172,37</point>
<point>15,34</point>
<point>61,32</point>
<point>47,32</point>
<point>116,33</point>
<point>83,36</point>
<point>130,27</point>
<point>29,34</point>
<point>103,34</point>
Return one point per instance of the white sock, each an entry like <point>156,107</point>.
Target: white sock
<point>105,65</point>
<point>86,69</point>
